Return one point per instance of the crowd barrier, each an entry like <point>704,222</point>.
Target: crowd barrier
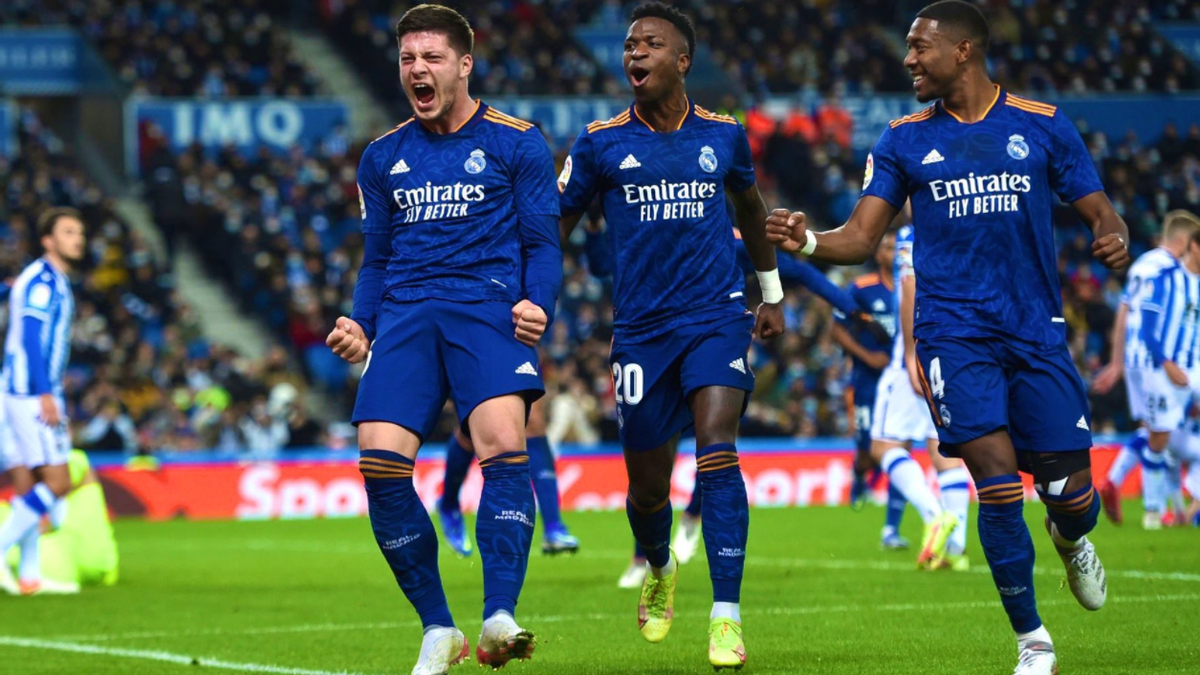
<point>323,484</point>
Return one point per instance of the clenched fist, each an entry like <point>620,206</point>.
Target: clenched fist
<point>786,229</point>
<point>530,321</point>
<point>348,341</point>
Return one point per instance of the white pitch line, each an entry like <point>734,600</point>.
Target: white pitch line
<point>599,616</point>
<point>166,657</point>
<point>260,630</point>
<point>272,546</point>
<point>883,566</point>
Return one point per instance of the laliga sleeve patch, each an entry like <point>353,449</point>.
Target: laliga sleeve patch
<point>362,203</point>
<point>565,176</point>
<point>39,296</point>
<point>869,172</point>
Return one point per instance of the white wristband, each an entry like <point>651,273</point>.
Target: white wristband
<point>810,243</point>
<point>772,288</point>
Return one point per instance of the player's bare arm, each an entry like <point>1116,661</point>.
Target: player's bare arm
<point>751,212</point>
<point>850,244</point>
<point>1112,235</point>
<point>873,359</point>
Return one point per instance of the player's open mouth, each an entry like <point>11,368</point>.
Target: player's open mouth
<point>638,75</point>
<point>423,93</point>
<point>917,80</point>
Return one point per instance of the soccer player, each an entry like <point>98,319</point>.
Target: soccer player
<point>874,293</point>
<point>36,351</point>
<point>981,167</point>
<point>460,275</point>
<point>1166,332</point>
<point>556,538</point>
<point>1131,359</point>
<point>905,419</point>
<point>663,170</point>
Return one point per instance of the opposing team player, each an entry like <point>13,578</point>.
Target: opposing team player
<point>875,294</point>
<point>1167,337</point>
<point>460,275</point>
<point>903,419</point>
<point>36,351</point>
<point>556,538</point>
<point>662,170</point>
<point>981,167</point>
<point>1131,359</point>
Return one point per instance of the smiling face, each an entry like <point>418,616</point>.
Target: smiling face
<point>656,58</point>
<point>934,59</point>
<point>432,73</point>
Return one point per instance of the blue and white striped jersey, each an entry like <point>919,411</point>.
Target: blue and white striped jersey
<point>40,310</point>
<point>1168,318</point>
<point>1137,289</point>
<point>903,267</point>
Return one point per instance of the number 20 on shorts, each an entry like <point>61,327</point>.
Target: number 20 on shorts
<point>627,383</point>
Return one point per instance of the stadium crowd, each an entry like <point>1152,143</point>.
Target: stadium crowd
<point>197,48</point>
<point>283,231</point>
<point>141,375</point>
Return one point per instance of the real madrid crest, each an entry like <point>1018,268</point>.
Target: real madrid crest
<point>476,162</point>
<point>1017,147</point>
<point>708,159</point>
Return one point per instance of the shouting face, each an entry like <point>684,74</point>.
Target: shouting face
<point>432,73</point>
<point>656,58</point>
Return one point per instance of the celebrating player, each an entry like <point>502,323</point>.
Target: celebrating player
<point>662,170</point>
<point>981,167</point>
<point>1131,358</point>
<point>36,351</point>
<point>460,275</point>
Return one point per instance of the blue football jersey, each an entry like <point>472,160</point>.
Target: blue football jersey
<point>982,196</point>
<point>663,197</point>
<point>877,299</point>
<point>451,204</point>
<point>34,362</point>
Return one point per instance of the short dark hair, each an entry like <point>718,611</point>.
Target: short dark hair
<point>681,21</point>
<point>962,16</point>
<point>50,218</point>
<point>430,18</point>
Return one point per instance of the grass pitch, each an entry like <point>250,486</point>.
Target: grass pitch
<point>315,598</point>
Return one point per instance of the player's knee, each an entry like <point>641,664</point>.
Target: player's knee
<point>1059,473</point>
<point>494,439</point>
<point>388,436</point>
<point>648,492</point>
<point>58,479</point>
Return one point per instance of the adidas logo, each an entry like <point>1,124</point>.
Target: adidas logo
<point>933,156</point>
<point>1082,423</point>
<point>630,162</point>
<point>738,365</point>
<point>527,369</point>
<point>398,167</point>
